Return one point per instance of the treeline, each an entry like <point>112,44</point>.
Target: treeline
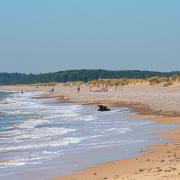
<point>78,75</point>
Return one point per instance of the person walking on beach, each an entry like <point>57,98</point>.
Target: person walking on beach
<point>22,92</point>
<point>78,89</point>
<point>52,90</point>
<point>116,86</point>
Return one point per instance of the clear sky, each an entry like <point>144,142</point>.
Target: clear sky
<point>52,35</point>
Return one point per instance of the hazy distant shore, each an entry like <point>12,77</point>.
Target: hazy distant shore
<point>156,102</point>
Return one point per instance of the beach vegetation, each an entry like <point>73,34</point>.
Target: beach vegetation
<point>169,83</point>
<point>111,77</point>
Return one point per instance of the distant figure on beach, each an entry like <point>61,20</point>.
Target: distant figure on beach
<point>116,86</point>
<point>78,89</point>
<point>52,90</point>
<point>104,88</point>
<point>22,92</point>
<point>91,86</point>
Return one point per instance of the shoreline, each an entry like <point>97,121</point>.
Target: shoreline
<point>159,161</point>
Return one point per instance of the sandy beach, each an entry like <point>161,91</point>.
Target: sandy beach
<point>158,103</point>
<point>90,90</point>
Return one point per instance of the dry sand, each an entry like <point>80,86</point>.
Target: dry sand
<point>161,100</point>
<point>152,102</point>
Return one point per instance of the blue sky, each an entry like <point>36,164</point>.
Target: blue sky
<point>51,35</point>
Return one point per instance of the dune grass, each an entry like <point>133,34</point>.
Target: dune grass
<point>164,81</point>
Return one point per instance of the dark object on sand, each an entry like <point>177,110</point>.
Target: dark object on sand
<point>103,108</point>
<point>78,89</point>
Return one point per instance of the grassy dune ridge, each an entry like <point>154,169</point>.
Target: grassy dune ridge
<point>165,81</point>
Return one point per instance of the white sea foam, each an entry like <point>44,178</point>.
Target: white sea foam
<point>37,133</point>
<point>32,123</point>
<point>44,130</point>
<point>83,118</point>
<point>91,137</point>
<point>120,130</point>
<point>37,145</point>
<point>34,158</point>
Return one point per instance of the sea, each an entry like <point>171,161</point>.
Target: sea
<point>43,138</point>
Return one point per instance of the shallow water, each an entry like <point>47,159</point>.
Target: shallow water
<point>41,134</point>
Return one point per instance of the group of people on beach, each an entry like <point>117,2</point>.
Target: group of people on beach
<point>102,88</point>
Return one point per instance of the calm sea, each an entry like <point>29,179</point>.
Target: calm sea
<point>41,138</point>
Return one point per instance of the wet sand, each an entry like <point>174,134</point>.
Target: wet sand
<point>152,102</point>
<point>157,162</point>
